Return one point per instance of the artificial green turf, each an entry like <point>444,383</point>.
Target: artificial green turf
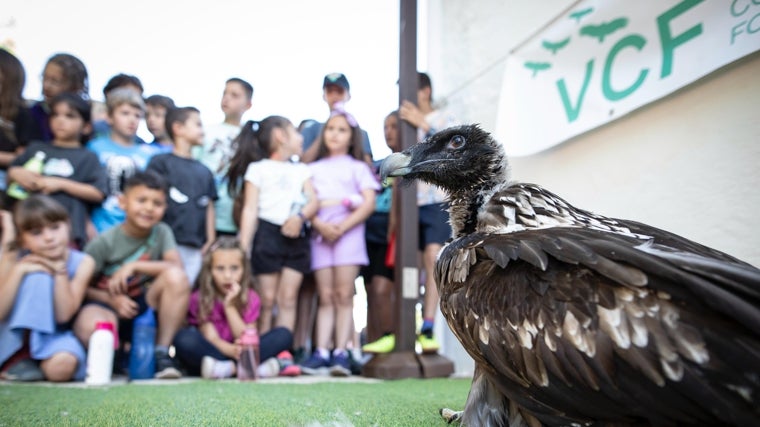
<point>409,402</point>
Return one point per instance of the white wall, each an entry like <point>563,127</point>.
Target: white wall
<point>689,163</point>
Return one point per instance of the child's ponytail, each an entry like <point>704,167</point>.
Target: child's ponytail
<point>247,149</point>
<point>253,143</point>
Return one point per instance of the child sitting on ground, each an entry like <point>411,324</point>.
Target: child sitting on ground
<point>221,308</point>
<point>42,285</point>
<point>140,267</point>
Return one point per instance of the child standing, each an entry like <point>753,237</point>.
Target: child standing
<point>42,284</point>
<point>119,152</point>
<point>434,228</point>
<point>221,308</point>
<point>278,201</point>
<point>138,266</point>
<point>192,192</point>
<point>378,276</point>
<point>218,147</point>
<point>101,126</point>
<point>63,72</point>
<point>336,92</point>
<point>156,107</point>
<point>337,245</point>
<point>72,175</point>
<point>16,123</point>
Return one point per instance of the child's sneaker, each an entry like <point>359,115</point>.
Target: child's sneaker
<point>341,365</point>
<point>428,344</point>
<point>213,369</point>
<point>287,367</point>
<point>24,370</point>
<point>315,365</point>
<point>299,355</point>
<point>385,344</point>
<point>165,368</point>
<point>269,368</point>
<point>355,361</point>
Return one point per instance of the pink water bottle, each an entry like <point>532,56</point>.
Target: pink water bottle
<point>249,357</point>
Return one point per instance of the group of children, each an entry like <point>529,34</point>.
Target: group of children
<point>186,224</point>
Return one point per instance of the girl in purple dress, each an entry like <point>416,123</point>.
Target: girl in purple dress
<point>345,187</point>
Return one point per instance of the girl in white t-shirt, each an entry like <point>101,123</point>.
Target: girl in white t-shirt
<point>278,201</point>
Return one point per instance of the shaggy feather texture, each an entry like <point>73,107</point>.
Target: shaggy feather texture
<point>574,318</point>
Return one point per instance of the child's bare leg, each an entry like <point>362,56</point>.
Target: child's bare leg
<point>60,367</point>
<point>306,317</point>
<point>431,290</point>
<point>382,297</point>
<point>267,289</point>
<point>287,297</point>
<point>88,316</point>
<point>326,310</point>
<point>169,295</point>
<point>345,275</point>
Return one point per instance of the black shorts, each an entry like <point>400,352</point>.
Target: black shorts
<point>376,227</point>
<point>434,224</point>
<point>125,325</point>
<point>272,251</point>
<point>376,267</point>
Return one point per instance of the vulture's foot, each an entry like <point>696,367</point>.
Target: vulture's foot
<point>450,415</point>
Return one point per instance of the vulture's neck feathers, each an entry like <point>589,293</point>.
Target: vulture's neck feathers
<point>466,203</point>
<point>496,204</point>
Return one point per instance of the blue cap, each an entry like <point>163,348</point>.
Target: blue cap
<point>337,79</point>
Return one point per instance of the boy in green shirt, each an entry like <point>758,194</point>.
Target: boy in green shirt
<point>139,266</point>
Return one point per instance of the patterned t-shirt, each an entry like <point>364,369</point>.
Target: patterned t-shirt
<point>121,162</point>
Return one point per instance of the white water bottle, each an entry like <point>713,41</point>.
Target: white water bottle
<point>100,354</point>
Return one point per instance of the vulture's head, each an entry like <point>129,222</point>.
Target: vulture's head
<point>463,160</point>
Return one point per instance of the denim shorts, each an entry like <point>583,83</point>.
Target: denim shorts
<point>434,224</point>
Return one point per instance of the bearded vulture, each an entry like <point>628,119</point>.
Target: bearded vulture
<point>577,319</point>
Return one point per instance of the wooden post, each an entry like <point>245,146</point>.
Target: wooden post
<point>403,362</point>
<point>407,270</point>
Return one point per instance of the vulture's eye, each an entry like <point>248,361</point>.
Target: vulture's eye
<point>456,142</point>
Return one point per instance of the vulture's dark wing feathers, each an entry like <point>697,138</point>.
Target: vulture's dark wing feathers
<point>707,262</point>
<point>602,329</point>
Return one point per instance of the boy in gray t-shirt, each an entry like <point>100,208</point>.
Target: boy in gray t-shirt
<point>139,266</point>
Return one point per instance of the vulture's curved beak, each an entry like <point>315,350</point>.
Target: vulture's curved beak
<point>397,164</point>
